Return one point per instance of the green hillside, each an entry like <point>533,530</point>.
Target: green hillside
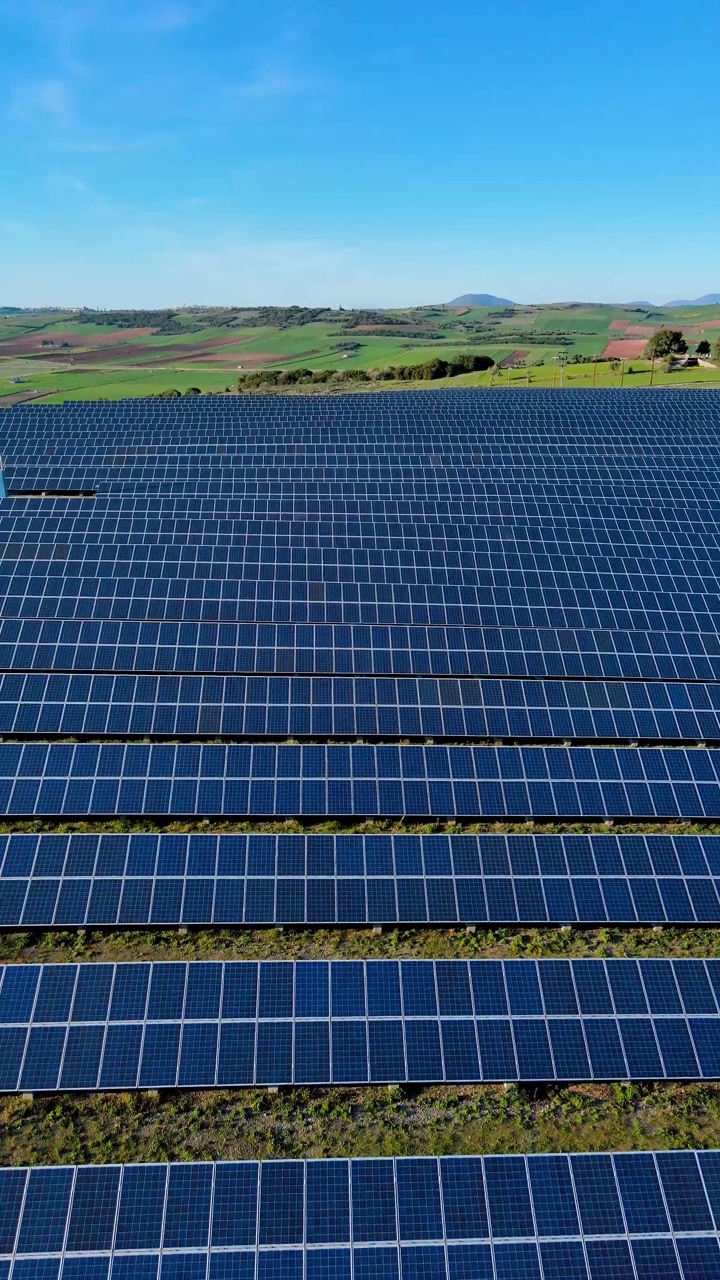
<point>85,355</point>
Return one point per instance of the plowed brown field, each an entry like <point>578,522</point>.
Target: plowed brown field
<point>510,361</point>
<point>144,354</point>
<point>31,343</point>
<point>625,349</point>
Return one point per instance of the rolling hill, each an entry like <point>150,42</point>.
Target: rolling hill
<point>52,355</point>
<point>479,300</point>
<point>707,300</point>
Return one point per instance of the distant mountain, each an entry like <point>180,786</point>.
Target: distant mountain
<point>647,306</point>
<point>707,300</point>
<point>479,300</point>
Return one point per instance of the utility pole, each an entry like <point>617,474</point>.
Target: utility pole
<point>622,370</point>
<point>652,368</point>
<point>594,372</point>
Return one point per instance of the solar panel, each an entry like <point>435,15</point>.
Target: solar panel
<point>143,879</point>
<point>190,646</point>
<point>243,1023</point>
<point>584,1217</point>
<point>385,707</point>
<point>266,780</point>
<point>388,603</point>
<point>337,602</point>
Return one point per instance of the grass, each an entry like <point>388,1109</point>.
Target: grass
<point>93,384</point>
<point>351,826</point>
<point>71,946</point>
<point>370,1121</point>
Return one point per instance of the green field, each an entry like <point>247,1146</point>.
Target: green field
<point>174,351</point>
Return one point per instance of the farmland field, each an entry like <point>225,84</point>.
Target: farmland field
<point>54,356</point>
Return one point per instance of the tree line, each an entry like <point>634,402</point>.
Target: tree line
<point>428,371</point>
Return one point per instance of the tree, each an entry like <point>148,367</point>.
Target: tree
<point>703,347</point>
<point>193,391</point>
<point>469,362</point>
<point>435,368</point>
<point>666,342</point>
<point>716,351</point>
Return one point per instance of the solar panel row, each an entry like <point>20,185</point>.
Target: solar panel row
<point>41,704</point>
<point>525,521</point>
<point>267,780</point>
<point>220,648</point>
<point>205,1025</point>
<point>428,488</point>
<point>356,564</point>
<point>97,645</point>
<point>175,854</point>
<point>636,1216</point>
<point>169,879</point>
<point>266,522</point>
<point>390,604</point>
<point>208,600</point>
<point>265,518</point>
<point>168,900</point>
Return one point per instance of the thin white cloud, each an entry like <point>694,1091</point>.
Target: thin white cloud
<point>16,227</point>
<point>68,182</point>
<point>43,101</point>
<point>275,82</point>
<point>111,146</point>
<point>161,18</point>
<point>71,18</point>
<point>254,271</point>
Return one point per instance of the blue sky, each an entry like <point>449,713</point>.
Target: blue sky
<point>357,152</point>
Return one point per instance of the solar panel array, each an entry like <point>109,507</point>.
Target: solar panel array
<point>243,1023</point>
<point>463,605</point>
<point>637,1216</point>
<point>168,879</point>
<point>257,706</point>
<point>79,779</point>
<point>415,590</point>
